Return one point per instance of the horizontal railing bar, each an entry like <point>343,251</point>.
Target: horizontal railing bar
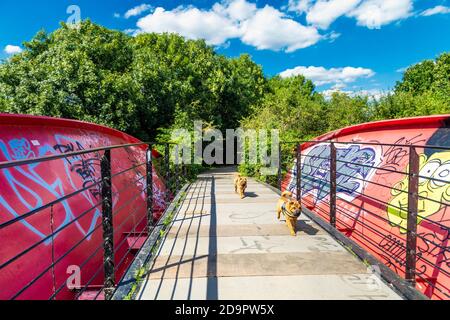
<point>394,224</point>
<point>360,179</point>
<point>48,205</point>
<point>362,194</point>
<point>376,168</point>
<point>135,241</point>
<point>381,185</point>
<point>368,211</point>
<point>120,226</point>
<point>386,203</point>
<point>358,164</point>
<point>432,285</point>
<point>55,262</point>
<point>81,266</point>
<point>67,252</point>
<point>89,282</point>
<point>126,170</point>
<point>48,237</point>
<point>59,200</point>
<point>368,143</point>
<point>15,163</point>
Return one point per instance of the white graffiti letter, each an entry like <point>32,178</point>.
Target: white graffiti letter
<point>74,280</point>
<point>75,16</point>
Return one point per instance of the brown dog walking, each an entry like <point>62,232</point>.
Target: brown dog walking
<point>291,209</point>
<point>240,184</point>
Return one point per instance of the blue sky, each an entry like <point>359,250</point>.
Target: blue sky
<point>347,45</point>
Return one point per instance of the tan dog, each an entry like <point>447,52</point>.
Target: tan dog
<point>291,209</point>
<point>240,184</point>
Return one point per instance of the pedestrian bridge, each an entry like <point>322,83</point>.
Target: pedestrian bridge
<point>221,247</point>
<point>87,212</point>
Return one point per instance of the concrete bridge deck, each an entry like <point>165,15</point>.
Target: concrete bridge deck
<point>222,247</point>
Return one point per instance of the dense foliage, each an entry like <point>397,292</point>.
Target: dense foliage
<point>151,83</point>
<point>135,84</point>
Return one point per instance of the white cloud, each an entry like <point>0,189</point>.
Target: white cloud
<point>10,49</point>
<point>263,28</point>
<point>130,31</point>
<point>435,10</point>
<point>116,15</point>
<point>138,10</point>
<point>321,76</point>
<point>236,10</point>
<point>299,6</point>
<point>325,12</point>
<point>371,93</point>
<point>375,13</point>
<point>368,13</point>
<point>270,29</point>
<point>191,23</point>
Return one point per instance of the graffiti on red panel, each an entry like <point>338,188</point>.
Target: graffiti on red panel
<point>356,165</point>
<point>29,187</point>
<point>372,197</point>
<point>37,184</point>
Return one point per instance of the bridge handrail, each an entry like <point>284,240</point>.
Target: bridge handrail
<point>330,169</point>
<point>104,183</point>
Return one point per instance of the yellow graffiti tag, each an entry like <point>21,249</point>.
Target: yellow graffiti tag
<point>434,190</point>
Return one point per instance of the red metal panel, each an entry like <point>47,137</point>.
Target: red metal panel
<point>30,186</point>
<point>368,210</point>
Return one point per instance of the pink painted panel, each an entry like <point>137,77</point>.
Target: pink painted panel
<point>28,187</point>
<point>372,202</point>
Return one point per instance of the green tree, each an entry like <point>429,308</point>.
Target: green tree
<point>134,84</point>
<point>343,111</point>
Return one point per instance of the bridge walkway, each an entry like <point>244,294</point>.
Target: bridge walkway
<point>222,247</point>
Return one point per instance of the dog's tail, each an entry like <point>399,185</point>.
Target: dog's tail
<point>286,194</point>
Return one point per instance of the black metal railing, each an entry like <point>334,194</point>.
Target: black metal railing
<point>102,254</point>
<point>417,251</point>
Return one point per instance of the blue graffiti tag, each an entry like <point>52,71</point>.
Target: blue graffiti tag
<point>316,170</point>
<point>17,149</point>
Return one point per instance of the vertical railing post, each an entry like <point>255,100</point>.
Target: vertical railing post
<point>177,168</point>
<point>107,223</point>
<point>333,174</point>
<point>279,167</point>
<point>167,167</point>
<point>411,233</point>
<point>149,169</point>
<point>299,173</point>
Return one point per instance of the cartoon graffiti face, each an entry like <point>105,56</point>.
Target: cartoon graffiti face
<point>431,192</point>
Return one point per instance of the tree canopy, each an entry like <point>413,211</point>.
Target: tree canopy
<point>151,83</point>
<point>134,84</point>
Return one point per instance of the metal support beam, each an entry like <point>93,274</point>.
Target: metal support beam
<point>299,173</point>
<point>167,167</point>
<point>149,170</point>
<point>107,223</point>
<point>279,168</point>
<point>177,168</point>
<point>411,233</point>
<point>333,184</point>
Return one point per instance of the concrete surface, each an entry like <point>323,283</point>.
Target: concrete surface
<point>222,247</point>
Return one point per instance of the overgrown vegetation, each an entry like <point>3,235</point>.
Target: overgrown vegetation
<point>134,84</point>
<point>150,84</point>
